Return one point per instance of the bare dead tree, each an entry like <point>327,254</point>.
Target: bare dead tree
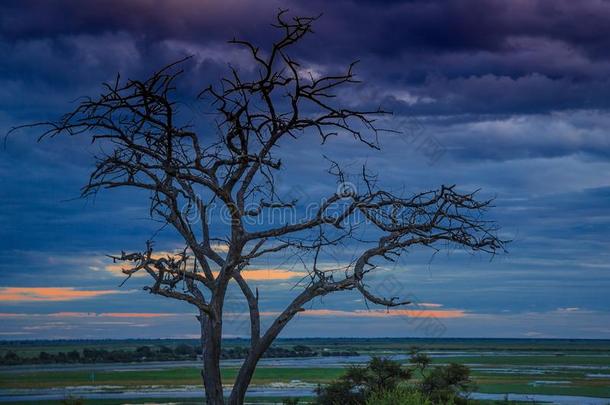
<point>186,173</point>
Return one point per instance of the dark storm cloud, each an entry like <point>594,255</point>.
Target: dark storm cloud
<point>185,19</point>
<point>476,24</point>
<point>384,26</point>
<point>426,58</point>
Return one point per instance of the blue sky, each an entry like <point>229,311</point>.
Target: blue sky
<point>514,99</point>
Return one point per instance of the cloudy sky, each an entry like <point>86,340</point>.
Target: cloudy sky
<point>507,97</point>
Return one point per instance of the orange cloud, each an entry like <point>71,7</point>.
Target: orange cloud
<point>36,294</point>
<point>117,268</point>
<point>251,274</point>
<point>271,274</point>
<point>220,247</point>
<point>412,313</point>
<point>93,315</point>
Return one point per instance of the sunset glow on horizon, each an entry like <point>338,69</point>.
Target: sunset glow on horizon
<point>50,294</point>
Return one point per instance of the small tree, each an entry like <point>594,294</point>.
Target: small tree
<point>420,360</point>
<point>386,381</point>
<point>357,384</point>
<point>149,146</point>
<point>447,383</point>
<point>441,384</point>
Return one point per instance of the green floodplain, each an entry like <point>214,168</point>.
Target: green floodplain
<point>499,366</point>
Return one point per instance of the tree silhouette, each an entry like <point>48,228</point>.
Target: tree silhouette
<point>147,146</point>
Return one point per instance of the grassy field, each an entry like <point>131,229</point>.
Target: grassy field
<point>166,377</point>
<point>572,383</point>
<point>580,368</point>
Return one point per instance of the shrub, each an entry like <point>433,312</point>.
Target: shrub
<point>185,350</point>
<point>444,384</point>
<point>354,387</point>
<point>398,396</point>
<point>383,381</point>
<point>339,393</point>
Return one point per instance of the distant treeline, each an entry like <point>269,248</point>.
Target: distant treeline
<point>156,353</point>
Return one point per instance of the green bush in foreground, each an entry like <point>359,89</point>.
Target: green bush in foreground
<point>398,396</point>
<point>441,384</point>
<point>353,388</point>
<point>386,382</point>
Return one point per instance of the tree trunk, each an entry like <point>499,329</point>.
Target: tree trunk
<point>238,393</point>
<point>211,334</point>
